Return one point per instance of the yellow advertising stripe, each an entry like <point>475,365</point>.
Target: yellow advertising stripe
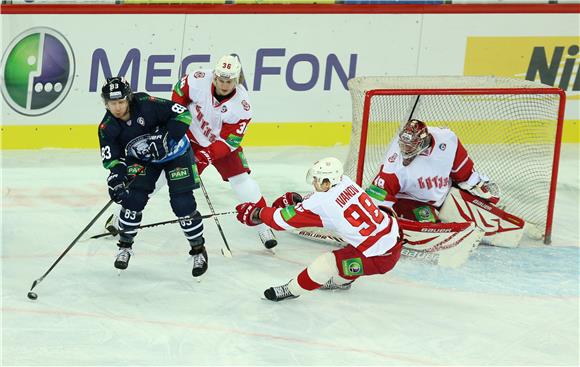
<point>552,60</point>
<point>258,134</point>
<point>49,136</point>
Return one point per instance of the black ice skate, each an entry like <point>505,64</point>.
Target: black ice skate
<point>111,225</point>
<point>199,257</point>
<point>124,255</point>
<point>280,293</point>
<point>267,238</point>
<point>331,285</point>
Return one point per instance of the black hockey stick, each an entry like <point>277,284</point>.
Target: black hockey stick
<point>225,250</point>
<point>205,216</point>
<point>33,295</point>
<point>413,109</point>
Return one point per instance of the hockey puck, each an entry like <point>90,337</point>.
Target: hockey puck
<point>32,295</point>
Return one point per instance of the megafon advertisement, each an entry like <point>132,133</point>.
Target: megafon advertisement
<point>37,70</point>
<point>296,72</point>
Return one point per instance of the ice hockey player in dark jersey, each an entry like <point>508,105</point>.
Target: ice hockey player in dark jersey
<point>142,136</point>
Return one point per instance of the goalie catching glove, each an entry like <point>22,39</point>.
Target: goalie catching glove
<point>480,186</point>
<point>289,198</point>
<point>248,214</point>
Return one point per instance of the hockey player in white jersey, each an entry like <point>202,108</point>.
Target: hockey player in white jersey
<point>340,205</point>
<point>417,180</point>
<point>221,112</point>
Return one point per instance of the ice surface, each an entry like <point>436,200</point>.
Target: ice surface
<point>504,307</point>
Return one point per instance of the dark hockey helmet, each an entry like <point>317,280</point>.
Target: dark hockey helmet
<point>116,88</point>
<point>413,138</point>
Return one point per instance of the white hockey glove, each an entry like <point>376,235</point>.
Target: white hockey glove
<point>480,186</point>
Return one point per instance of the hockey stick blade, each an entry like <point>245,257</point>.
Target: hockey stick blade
<point>205,216</point>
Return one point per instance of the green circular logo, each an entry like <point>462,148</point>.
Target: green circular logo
<point>37,71</point>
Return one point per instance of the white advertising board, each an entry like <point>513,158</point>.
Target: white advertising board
<point>296,65</point>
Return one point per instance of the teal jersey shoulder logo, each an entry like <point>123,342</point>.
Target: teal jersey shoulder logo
<point>37,69</point>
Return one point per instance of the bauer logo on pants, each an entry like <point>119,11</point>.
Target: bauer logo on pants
<point>38,69</point>
<point>352,267</point>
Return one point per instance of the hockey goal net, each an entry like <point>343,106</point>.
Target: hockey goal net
<point>511,129</point>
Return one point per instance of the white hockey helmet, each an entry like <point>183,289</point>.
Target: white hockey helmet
<point>228,67</point>
<point>327,168</point>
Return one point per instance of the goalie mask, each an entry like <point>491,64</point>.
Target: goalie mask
<point>413,140</point>
<point>325,169</point>
<point>228,67</point>
<point>116,88</point>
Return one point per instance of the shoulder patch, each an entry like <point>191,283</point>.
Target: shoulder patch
<point>376,192</point>
<point>288,213</point>
<point>245,105</point>
<point>234,141</point>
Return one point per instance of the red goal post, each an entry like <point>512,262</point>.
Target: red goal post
<point>511,128</point>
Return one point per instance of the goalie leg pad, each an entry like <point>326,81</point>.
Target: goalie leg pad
<point>445,244</point>
<point>501,228</point>
<point>532,231</point>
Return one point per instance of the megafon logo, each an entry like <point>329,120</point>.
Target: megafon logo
<point>37,71</point>
<point>549,60</point>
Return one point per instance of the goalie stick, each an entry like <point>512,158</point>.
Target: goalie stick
<point>205,216</point>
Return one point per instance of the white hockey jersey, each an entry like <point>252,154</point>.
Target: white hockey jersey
<point>213,120</point>
<point>346,210</point>
<point>428,178</point>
